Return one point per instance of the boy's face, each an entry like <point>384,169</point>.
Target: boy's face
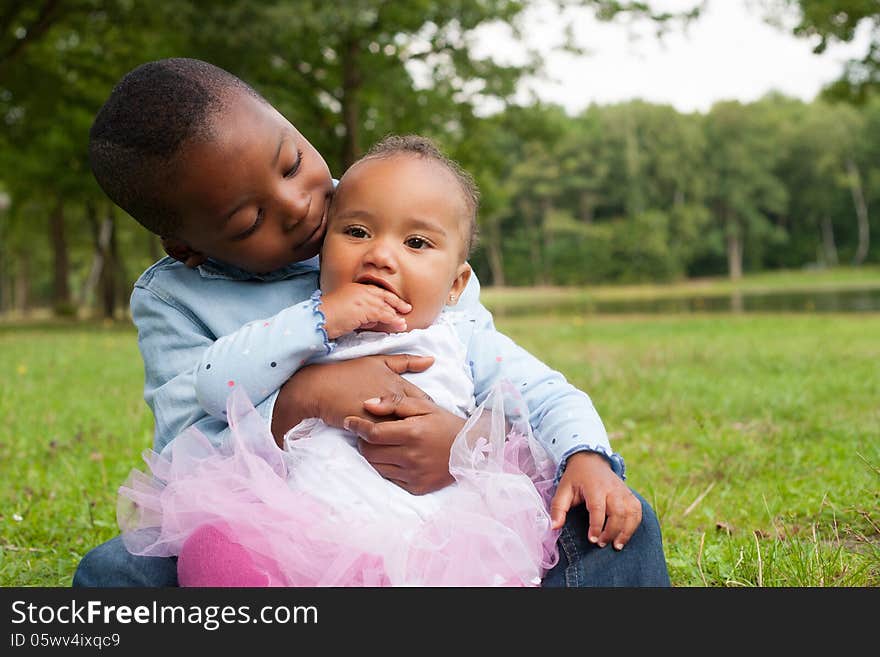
<point>398,222</point>
<point>254,196</point>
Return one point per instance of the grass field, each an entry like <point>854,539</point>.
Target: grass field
<point>755,437</point>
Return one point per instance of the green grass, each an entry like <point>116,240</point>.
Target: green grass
<point>73,425</point>
<point>755,438</point>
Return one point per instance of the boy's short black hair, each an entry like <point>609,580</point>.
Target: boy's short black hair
<point>424,147</point>
<point>152,112</point>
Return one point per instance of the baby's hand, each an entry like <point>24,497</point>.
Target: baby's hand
<point>359,306</point>
<point>588,478</point>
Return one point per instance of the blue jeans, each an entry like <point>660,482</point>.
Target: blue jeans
<point>581,563</point>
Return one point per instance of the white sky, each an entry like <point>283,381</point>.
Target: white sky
<point>729,53</point>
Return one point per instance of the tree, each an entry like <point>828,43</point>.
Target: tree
<point>838,21</point>
<point>58,60</point>
<point>823,166</point>
<point>869,157</point>
<point>744,190</point>
<point>351,72</point>
<point>346,74</point>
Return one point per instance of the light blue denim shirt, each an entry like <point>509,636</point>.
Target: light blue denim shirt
<point>203,331</point>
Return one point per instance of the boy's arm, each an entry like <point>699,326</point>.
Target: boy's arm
<point>176,349</point>
<point>562,417</point>
<point>172,342</point>
<point>260,356</point>
<point>567,425</point>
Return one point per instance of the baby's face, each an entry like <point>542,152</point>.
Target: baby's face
<point>398,222</point>
<point>256,194</point>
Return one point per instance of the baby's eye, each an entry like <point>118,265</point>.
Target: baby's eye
<point>356,231</point>
<point>417,243</point>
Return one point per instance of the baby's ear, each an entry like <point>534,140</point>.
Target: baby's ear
<point>182,252</point>
<point>461,280</point>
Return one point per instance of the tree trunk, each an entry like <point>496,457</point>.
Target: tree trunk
<point>351,110</point>
<point>121,275</point>
<point>494,251</point>
<point>829,248</point>
<point>108,288</point>
<point>61,302</point>
<point>101,241</point>
<point>855,186</point>
<point>22,285</point>
<point>734,248</point>
<point>5,285</point>
<point>5,278</point>
<point>734,257</point>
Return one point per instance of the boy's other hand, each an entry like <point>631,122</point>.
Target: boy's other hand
<point>360,306</point>
<point>615,513</point>
<point>412,447</point>
<point>334,391</point>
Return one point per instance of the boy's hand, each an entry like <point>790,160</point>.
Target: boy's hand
<point>615,513</point>
<point>359,306</point>
<point>412,447</point>
<point>333,391</point>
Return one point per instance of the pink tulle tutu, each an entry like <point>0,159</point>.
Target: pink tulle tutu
<point>317,514</point>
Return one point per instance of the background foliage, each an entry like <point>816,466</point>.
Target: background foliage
<point>620,193</point>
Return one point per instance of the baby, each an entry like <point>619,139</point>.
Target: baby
<point>318,514</point>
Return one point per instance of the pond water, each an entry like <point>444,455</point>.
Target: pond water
<point>816,301</point>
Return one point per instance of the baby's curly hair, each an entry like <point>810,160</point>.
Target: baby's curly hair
<point>137,135</point>
<point>426,148</point>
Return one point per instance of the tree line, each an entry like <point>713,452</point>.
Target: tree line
<point>618,193</point>
<point>640,192</point>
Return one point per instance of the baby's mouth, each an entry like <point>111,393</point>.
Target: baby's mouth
<point>378,282</point>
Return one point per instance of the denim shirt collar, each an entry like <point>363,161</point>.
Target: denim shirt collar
<point>216,269</point>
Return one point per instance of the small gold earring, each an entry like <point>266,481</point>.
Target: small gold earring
<point>451,298</point>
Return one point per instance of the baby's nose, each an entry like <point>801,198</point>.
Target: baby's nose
<point>380,254</point>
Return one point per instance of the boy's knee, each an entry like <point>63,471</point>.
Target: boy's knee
<point>650,522</point>
<point>90,567</point>
<point>112,565</point>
